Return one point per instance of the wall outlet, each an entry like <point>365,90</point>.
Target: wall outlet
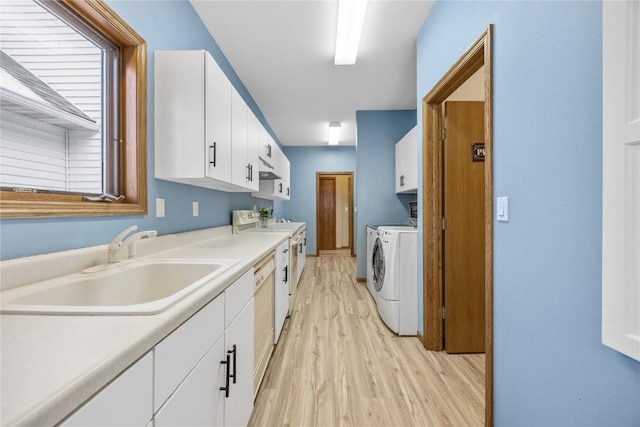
<point>195,208</point>
<point>160,208</point>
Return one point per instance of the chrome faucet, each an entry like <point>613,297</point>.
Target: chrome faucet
<point>117,245</point>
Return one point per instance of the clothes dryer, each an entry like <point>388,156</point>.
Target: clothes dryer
<point>395,277</point>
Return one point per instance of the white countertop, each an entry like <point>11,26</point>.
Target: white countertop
<point>51,364</point>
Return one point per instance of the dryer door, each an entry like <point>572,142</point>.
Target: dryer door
<point>377,264</point>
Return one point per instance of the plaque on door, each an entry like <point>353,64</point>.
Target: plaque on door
<point>477,151</point>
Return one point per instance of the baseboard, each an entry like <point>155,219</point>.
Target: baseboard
<point>420,337</point>
<point>361,279</point>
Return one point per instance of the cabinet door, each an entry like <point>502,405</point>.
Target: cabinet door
<point>286,181</point>
<point>399,175</point>
<point>179,122</point>
<point>239,343</point>
<point>406,174</point>
<point>199,401</point>
<point>178,353</point>
<point>127,401</point>
<point>281,290</point>
<point>240,169</point>
<point>266,146</point>
<point>218,122</point>
<point>253,150</point>
<point>411,160</point>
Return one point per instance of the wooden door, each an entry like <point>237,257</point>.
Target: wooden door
<point>463,237</point>
<point>327,213</point>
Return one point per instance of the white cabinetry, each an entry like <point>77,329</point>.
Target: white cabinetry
<point>406,175</point>
<point>205,366</point>
<point>266,146</point>
<point>281,288</point>
<point>276,189</point>
<point>200,374</point>
<point>194,124</point>
<point>302,253</point>
<point>239,315</point>
<point>245,145</point>
<point>127,401</point>
<point>198,401</point>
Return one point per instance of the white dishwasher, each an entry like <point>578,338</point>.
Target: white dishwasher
<point>263,320</point>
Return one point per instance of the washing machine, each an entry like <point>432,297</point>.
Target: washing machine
<point>372,235</point>
<point>395,277</point>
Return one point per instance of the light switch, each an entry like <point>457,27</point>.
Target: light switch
<point>502,205</point>
<point>160,208</point>
<point>195,208</point>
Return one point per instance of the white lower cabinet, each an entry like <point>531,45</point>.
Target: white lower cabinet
<point>199,375</point>
<point>127,401</point>
<point>204,369</point>
<point>238,338</point>
<point>198,401</point>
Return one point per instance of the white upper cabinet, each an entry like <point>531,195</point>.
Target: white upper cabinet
<point>192,119</point>
<point>266,147</point>
<point>406,175</point>
<point>276,189</point>
<point>201,125</point>
<point>244,154</point>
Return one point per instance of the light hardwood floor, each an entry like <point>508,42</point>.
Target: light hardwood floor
<point>337,364</point>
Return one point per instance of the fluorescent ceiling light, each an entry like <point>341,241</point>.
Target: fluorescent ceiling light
<point>334,133</point>
<point>350,21</point>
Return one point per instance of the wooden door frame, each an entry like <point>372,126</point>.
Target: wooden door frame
<point>472,60</point>
<point>350,197</point>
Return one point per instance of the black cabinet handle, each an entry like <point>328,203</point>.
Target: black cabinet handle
<point>300,246</point>
<point>288,191</point>
<point>234,352</point>
<point>248,176</point>
<point>213,147</point>
<point>305,241</point>
<point>280,188</point>
<point>401,180</point>
<point>251,172</point>
<point>226,387</point>
<point>268,150</point>
<point>286,273</point>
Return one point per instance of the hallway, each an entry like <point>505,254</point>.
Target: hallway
<point>338,364</point>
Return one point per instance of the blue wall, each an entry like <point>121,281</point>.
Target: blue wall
<point>164,25</point>
<point>550,367</point>
<point>305,162</point>
<point>376,199</point>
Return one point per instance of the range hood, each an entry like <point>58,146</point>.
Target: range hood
<point>267,171</point>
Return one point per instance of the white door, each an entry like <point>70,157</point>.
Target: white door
<point>621,177</point>
<point>239,342</point>
<point>281,289</point>
<point>198,401</point>
<point>218,122</point>
<point>240,171</point>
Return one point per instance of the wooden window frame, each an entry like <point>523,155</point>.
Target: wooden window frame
<point>133,130</point>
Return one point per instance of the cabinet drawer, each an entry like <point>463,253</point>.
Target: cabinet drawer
<point>237,296</point>
<point>127,401</point>
<point>177,354</point>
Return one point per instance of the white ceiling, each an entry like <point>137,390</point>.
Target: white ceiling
<point>283,53</point>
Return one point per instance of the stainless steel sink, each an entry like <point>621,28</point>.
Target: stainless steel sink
<point>143,287</point>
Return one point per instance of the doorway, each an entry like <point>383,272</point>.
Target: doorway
<point>435,200</point>
<point>334,212</point>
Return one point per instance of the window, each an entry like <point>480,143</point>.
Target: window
<point>72,110</point>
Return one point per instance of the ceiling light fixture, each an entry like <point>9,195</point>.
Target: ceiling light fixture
<point>350,21</point>
<point>334,133</point>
